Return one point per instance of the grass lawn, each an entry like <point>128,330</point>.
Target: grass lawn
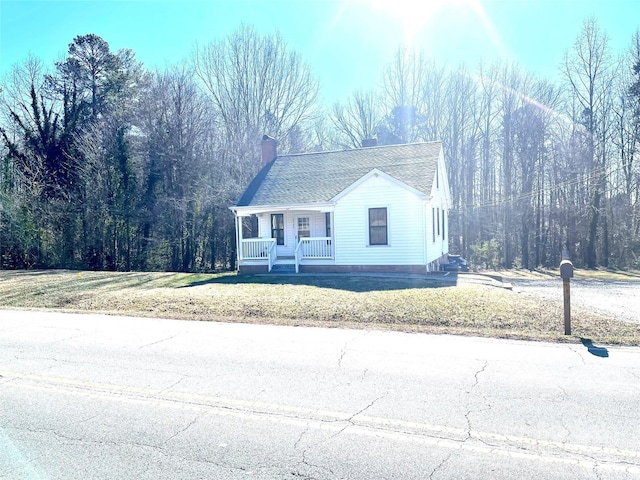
<point>406,304</point>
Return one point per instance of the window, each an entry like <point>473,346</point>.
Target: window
<point>327,222</point>
<point>437,177</point>
<point>250,227</point>
<point>438,220</point>
<point>277,227</point>
<point>378,226</point>
<point>443,222</point>
<point>433,223</point>
<point>304,227</point>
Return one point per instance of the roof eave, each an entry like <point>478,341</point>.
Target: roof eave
<point>243,211</point>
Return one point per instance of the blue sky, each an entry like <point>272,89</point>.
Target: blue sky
<point>346,42</point>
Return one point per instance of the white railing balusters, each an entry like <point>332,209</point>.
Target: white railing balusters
<point>315,247</point>
<point>257,248</point>
<point>307,248</point>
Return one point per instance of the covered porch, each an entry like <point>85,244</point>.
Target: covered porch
<point>284,237</point>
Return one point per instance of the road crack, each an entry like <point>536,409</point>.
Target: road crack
<point>158,341</point>
<point>72,337</point>
<point>634,374</point>
<point>313,465</point>
<point>349,423</point>
<point>476,375</point>
<point>467,415</point>
<point>350,419</point>
<point>343,352</point>
<point>191,424</point>
<point>567,435</point>
<point>596,472</point>
<point>297,442</point>
<point>346,345</point>
<point>170,387</point>
<point>439,466</point>
<point>579,352</point>
<point>85,441</point>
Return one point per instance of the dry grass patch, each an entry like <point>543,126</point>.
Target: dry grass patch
<point>580,274</point>
<point>407,304</point>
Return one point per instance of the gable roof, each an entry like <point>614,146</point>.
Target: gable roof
<point>319,177</point>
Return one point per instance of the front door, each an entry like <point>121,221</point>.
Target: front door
<point>303,230</point>
<point>304,227</point>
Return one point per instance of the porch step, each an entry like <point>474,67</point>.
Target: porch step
<point>281,268</point>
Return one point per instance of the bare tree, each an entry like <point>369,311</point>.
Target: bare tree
<point>590,69</point>
<point>514,97</point>
<point>414,98</point>
<point>172,168</point>
<point>434,98</point>
<point>404,78</point>
<point>489,127</point>
<point>461,139</point>
<point>404,94</point>
<point>257,85</point>
<point>357,119</point>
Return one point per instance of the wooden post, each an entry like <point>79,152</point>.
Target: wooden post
<point>566,273</point>
<point>566,284</point>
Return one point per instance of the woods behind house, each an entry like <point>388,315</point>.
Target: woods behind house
<point>107,165</point>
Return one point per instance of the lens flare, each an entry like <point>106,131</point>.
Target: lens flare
<point>416,16</point>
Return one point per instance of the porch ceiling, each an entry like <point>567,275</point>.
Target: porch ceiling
<point>253,210</point>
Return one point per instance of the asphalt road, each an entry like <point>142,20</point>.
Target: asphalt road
<point>91,397</point>
<point>619,299</point>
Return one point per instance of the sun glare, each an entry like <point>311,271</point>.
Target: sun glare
<point>416,15</point>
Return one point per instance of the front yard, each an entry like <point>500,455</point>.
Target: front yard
<point>406,304</point>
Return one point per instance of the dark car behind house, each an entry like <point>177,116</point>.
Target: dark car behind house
<point>456,264</point>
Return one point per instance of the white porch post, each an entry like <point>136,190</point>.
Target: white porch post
<point>239,237</point>
<point>333,235</point>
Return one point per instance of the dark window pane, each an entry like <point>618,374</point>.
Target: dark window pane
<point>327,221</point>
<point>250,227</point>
<point>378,236</point>
<point>433,223</point>
<point>277,220</point>
<point>443,221</point>
<point>277,227</point>
<point>377,226</point>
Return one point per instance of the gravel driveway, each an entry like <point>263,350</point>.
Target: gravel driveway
<point>617,299</point>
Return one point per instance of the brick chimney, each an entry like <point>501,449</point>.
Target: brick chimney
<point>369,142</point>
<point>269,149</point>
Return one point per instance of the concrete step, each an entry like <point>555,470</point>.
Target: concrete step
<point>283,268</point>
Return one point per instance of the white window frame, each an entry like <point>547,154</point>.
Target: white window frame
<point>368,223</point>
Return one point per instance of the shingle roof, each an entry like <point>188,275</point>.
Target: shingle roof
<point>318,177</point>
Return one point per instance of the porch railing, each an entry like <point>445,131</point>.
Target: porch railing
<point>273,254</point>
<point>307,248</point>
<point>257,248</point>
<point>313,247</point>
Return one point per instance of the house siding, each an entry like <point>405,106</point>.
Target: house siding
<point>435,250</point>
<point>405,225</point>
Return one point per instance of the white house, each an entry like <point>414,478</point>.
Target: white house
<point>375,209</point>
